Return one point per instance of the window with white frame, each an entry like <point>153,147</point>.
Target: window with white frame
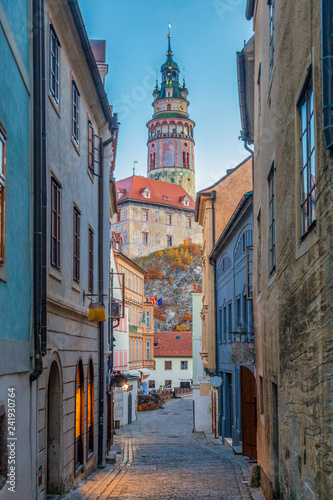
<point>75,112</point>
<point>271,210</point>
<point>271,4</point>
<point>148,319</point>
<point>54,64</point>
<point>307,157</point>
<point>148,351</point>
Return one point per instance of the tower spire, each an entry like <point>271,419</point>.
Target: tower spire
<point>169,42</point>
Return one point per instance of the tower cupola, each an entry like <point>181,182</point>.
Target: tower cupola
<point>170,132</point>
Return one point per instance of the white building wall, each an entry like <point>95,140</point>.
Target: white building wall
<point>176,375</point>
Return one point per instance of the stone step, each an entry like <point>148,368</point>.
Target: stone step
<point>111,457</point>
<point>116,448</point>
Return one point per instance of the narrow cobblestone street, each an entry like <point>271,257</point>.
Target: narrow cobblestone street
<point>162,459</point>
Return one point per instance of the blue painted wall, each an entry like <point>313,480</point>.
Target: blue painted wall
<point>230,287</point>
<point>16,289</point>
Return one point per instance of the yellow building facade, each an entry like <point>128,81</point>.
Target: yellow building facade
<point>141,314</point>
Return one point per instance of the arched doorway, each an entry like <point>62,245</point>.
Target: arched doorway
<point>248,408</point>
<point>129,408</point>
<point>54,426</point>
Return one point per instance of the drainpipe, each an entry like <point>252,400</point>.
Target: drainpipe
<point>39,292</point>
<point>101,447</point>
<point>213,198</point>
<point>327,71</point>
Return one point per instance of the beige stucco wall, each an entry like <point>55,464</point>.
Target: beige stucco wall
<point>229,192</point>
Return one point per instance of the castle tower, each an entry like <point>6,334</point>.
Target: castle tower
<point>170,132</point>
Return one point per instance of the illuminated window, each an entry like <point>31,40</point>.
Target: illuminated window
<point>90,409</point>
<point>79,398</point>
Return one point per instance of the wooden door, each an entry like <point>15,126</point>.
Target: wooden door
<point>249,417</point>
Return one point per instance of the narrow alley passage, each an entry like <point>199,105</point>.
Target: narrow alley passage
<point>162,459</point>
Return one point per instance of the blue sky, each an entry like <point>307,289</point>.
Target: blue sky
<point>205,37</point>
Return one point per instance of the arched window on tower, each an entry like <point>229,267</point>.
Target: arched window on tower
<point>188,160</point>
<point>168,107</point>
<point>184,159</point>
<point>154,160</point>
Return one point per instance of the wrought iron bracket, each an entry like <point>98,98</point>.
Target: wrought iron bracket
<point>100,295</point>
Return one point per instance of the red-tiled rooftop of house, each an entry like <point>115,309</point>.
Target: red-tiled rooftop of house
<point>173,344</point>
<point>160,192</point>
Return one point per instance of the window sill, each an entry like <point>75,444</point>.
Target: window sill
<point>308,240</point>
<point>55,105</point>
<point>78,469</point>
<point>76,145</point>
<point>76,287</point>
<point>271,278</point>
<point>90,175</point>
<point>55,274</point>
<point>3,271</point>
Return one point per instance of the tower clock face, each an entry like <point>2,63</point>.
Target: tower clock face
<point>157,108</point>
<point>181,107</point>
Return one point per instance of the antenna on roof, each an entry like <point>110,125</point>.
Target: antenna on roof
<point>134,162</point>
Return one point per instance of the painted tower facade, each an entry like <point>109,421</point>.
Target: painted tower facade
<point>170,131</point>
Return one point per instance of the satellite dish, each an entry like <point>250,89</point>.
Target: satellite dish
<point>216,381</point>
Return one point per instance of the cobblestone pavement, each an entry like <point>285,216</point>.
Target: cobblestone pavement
<point>162,459</point>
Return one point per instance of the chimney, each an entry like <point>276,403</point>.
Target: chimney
<point>99,48</point>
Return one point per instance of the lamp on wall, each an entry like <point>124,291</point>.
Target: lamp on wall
<point>239,333</point>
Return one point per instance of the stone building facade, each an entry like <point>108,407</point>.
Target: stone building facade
<point>170,131</point>
<point>293,244</point>
<point>71,432</point>
<point>153,215</point>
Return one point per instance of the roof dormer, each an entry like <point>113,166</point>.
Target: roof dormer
<point>145,192</point>
<point>120,192</point>
<point>185,200</point>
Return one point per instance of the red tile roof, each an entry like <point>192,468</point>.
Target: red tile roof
<point>160,192</point>
<point>173,344</point>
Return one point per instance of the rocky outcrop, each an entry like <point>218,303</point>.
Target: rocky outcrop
<point>171,275</point>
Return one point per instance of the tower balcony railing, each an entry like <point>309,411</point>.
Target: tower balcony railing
<point>170,134</point>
